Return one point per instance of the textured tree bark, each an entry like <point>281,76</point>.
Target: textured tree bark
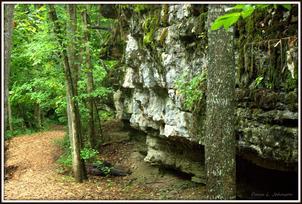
<point>8,31</point>
<point>69,119</point>
<point>219,136</point>
<point>77,163</point>
<point>72,49</point>
<point>72,58</point>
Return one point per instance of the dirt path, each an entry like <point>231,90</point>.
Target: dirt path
<point>33,175</point>
<point>31,160</point>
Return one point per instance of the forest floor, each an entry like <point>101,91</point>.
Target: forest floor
<point>32,173</point>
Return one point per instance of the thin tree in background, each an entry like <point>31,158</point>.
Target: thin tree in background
<point>73,58</point>
<point>77,163</point>
<point>219,136</point>
<point>93,112</point>
<point>8,31</point>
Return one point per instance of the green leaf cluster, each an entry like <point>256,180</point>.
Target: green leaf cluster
<point>139,8</point>
<point>89,154</point>
<point>100,166</point>
<point>243,11</point>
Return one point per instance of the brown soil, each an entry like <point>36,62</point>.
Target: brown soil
<point>33,174</point>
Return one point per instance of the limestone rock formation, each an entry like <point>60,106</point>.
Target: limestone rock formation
<point>149,98</point>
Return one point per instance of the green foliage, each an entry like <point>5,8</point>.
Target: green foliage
<point>63,143</point>
<point>37,91</point>
<point>36,77</point>
<point>14,133</point>
<point>100,166</point>
<point>89,154</point>
<point>257,83</point>
<point>241,10</point>
<point>37,74</point>
<point>106,115</point>
<point>66,158</point>
<point>139,8</point>
<point>191,90</point>
<point>149,26</point>
<point>258,80</point>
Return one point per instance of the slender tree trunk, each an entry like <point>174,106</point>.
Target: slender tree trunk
<point>69,119</point>
<point>8,31</point>
<point>38,115</point>
<point>98,120</point>
<point>77,162</point>
<point>220,137</point>
<point>90,83</point>
<point>73,60</point>
<point>72,49</point>
<point>20,113</point>
<point>10,118</point>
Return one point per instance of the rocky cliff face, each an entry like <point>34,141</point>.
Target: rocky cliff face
<point>170,41</point>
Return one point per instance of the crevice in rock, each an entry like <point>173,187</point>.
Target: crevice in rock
<point>257,183</point>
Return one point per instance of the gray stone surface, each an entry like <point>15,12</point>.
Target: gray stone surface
<point>266,121</point>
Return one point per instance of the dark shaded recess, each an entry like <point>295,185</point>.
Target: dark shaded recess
<point>172,171</point>
<point>188,39</point>
<point>114,78</point>
<point>287,122</point>
<point>50,113</point>
<point>134,134</point>
<point>152,131</point>
<point>183,147</point>
<point>197,9</point>
<point>257,183</point>
<point>113,51</point>
<point>97,169</point>
<point>109,10</point>
<point>281,122</point>
<point>9,171</point>
<point>126,92</point>
<point>236,31</point>
<point>251,155</point>
<point>160,91</point>
<point>267,99</point>
<point>238,134</point>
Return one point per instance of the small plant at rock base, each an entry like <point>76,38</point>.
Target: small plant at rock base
<point>102,167</point>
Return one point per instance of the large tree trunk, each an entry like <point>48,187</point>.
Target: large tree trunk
<point>8,31</point>
<point>77,162</point>
<point>220,137</point>
<point>90,84</point>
